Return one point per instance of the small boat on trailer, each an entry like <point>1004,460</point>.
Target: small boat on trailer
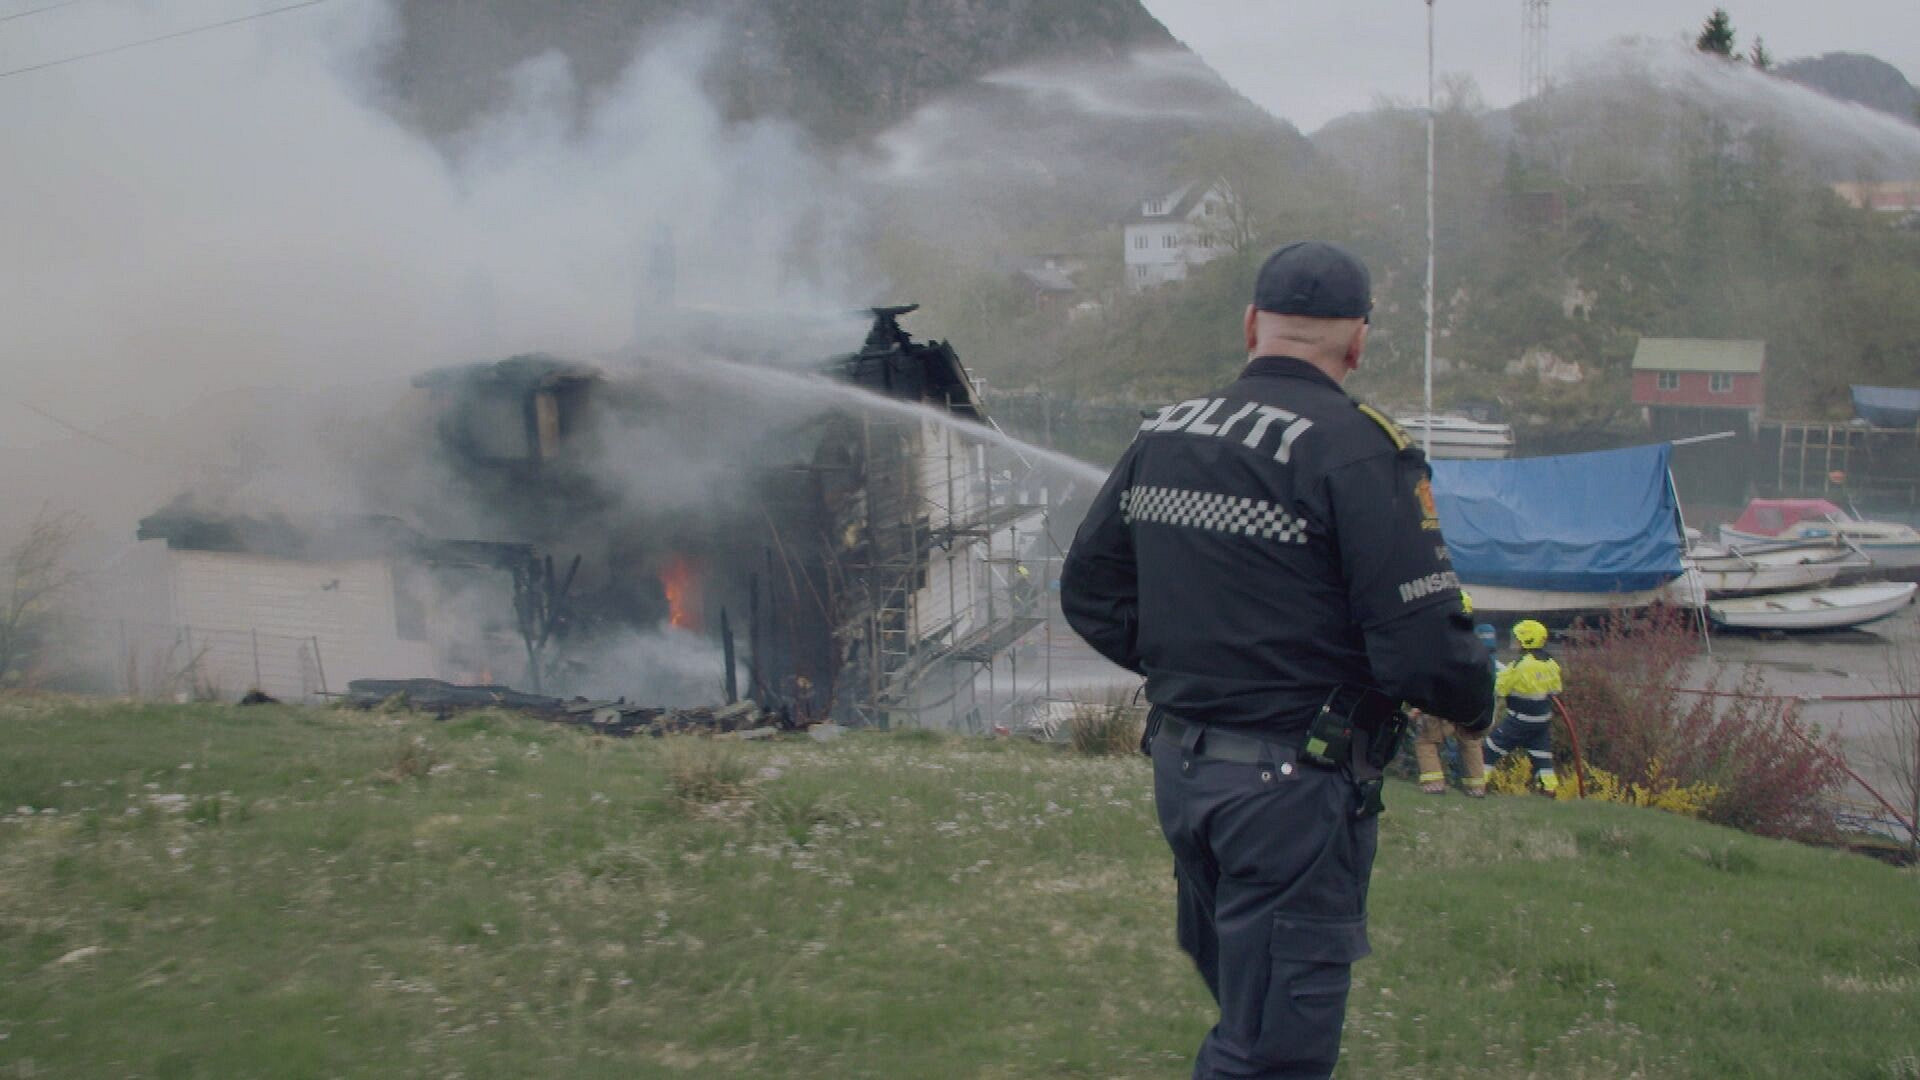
<point>1814,609</point>
<point>1553,538</point>
<point>1780,567</point>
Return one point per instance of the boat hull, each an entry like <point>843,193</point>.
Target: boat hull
<point>1773,567</point>
<point>1498,603</point>
<point>1814,609</point>
<point>1465,451</point>
<point>1769,579</point>
<point>1459,439</point>
<point>1887,554</point>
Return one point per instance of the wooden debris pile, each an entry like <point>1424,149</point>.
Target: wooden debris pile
<point>616,718</point>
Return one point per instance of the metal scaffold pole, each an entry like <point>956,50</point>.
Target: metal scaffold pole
<point>1427,431</point>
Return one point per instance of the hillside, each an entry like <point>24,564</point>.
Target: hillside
<point>991,129</point>
<point>1864,80</point>
<point>840,68</point>
<point>208,891</point>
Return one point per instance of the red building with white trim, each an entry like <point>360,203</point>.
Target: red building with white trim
<point>1722,381</point>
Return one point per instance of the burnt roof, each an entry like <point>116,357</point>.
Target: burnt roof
<point>894,364</point>
<point>187,527</point>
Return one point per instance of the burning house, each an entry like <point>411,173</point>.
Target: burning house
<point>846,544</point>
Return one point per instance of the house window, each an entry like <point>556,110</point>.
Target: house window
<point>1720,384</point>
<point>1669,380</point>
<point>1140,273</point>
<point>1156,206</point>
<point>1169,241</point>
<point>1140,241</point>
<point>1206,240</point>
<point>1206,208</point>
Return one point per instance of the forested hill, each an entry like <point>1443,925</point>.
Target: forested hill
<point>840,68</point>
<point>1865,80</point>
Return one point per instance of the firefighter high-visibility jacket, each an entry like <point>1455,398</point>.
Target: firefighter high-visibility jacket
<point>1526,686</point>
<point>1259,546</point>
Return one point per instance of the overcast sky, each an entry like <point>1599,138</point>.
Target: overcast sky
<point>1312,60</point>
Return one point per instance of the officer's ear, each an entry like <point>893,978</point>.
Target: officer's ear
<point>1356,346</point>
<point>1251,323</point>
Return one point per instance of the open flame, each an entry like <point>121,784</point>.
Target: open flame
<point>681,580</point>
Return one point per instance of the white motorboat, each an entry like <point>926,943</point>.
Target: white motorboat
<point>1891,545</point>
<point>1778,567</point>
<point>1814,609</point>
<point>1459,438</point>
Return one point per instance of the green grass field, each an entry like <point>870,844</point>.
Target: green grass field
<point>221,892</point>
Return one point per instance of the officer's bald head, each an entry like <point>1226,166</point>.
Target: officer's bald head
<point>1332,345</point>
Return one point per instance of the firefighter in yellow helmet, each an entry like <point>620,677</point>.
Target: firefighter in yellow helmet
<point>1527,688</point>
<point>1430,736</point>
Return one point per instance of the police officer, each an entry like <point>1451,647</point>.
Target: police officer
<point>1268,557</point>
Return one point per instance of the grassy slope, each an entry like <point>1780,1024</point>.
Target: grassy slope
<point>535,904</point>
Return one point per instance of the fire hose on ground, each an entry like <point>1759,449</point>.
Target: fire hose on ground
<point>1573,738</point>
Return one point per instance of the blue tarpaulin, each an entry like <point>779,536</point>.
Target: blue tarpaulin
<point>1887,406</point>
<point>1603,522</point>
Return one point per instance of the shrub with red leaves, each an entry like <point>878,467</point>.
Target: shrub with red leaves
<point>1624,681</point>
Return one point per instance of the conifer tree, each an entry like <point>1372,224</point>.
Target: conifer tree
<point>1716,36</point>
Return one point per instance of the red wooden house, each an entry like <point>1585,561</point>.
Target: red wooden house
<point>1693,385</point>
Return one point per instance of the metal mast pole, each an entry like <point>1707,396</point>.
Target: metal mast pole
<point>1427,436</point>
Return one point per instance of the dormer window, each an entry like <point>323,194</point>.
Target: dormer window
<point>1156,207</point>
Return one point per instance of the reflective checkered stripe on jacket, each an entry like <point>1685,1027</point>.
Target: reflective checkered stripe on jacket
<point>1235,515</point>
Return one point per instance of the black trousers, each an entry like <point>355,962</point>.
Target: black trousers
<point>1272,867</point>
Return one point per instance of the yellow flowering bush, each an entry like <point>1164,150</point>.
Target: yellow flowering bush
<point>1515,777</point>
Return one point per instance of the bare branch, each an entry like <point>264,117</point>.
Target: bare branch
<point>37,575</point>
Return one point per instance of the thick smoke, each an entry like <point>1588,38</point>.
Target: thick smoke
<point>1059,144</point>
<point>227,259</point>
<point>235,211</point>
<point>226,256</point>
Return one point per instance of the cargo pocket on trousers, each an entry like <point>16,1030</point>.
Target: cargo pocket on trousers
<point>1306,1005</point>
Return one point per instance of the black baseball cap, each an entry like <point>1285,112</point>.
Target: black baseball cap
<point>1314,279</point>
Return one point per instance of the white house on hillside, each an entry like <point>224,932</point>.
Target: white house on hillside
<point>1184,228</point>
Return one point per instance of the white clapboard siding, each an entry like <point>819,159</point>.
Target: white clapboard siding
<point>229,600</point>
<point>933,609</point>
<point>932,469</point>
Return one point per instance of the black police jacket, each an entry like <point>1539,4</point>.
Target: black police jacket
<point>1260,546</point>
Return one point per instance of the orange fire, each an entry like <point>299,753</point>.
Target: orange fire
<point>681,580</point>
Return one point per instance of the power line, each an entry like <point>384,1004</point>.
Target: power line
<point>38,10</point>
<point>162,37</point>
<point>78,430</point>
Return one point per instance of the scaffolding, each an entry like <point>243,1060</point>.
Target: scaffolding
<point>1846,458</point>
<point>947,581</point>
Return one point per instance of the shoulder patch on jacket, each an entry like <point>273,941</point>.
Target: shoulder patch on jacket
<point>1399,438</point>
